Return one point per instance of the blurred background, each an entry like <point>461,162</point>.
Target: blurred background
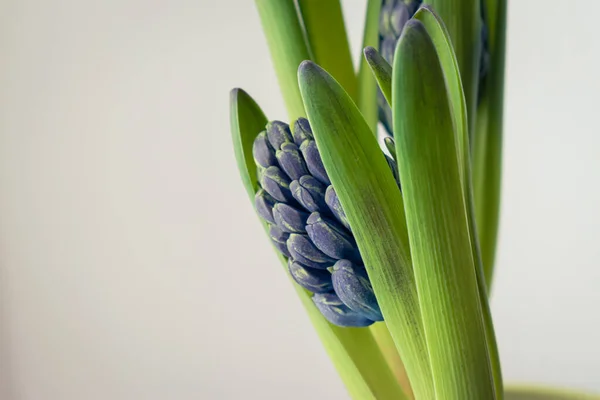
<point>132,265</point>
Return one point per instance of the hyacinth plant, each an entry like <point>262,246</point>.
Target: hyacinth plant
<point>390,248</point>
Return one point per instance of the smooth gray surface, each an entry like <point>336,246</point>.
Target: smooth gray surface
<point>131,263</point>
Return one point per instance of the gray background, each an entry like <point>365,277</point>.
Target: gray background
<point>131,263</point>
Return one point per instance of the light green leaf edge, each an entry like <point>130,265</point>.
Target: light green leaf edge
<point>353,351</point>
<point>440,242</point>
<point>373,204</point>
<point>462,19</point>
<point>326,33</point>
<point>441,40</point>
<point>367,87</point>
<point>487,148</point>
<point>288,45</point>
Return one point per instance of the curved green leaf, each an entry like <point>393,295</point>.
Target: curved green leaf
<point>487,149</point>
<point>441,40</point>
<point>354,352</point>
<point>382,71</point>
<point>367,87</point>
<point>436,214</point>
<point>288,46</point>
<point>463,20</point>
<point>373,204</point>
<point>324,23</point>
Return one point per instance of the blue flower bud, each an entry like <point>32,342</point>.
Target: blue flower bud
<point>264,204</point>
<point>288,219</point>
<point>304,251</point>
<point>302,131</point>
<point>278,133</point>
<point>309,192</point>
<point>313,161</point>
<point>313,280</point>
<point>291,161</point>
<point>333,202</point>
<point>388,46</point>
<point>353,287</point>
<point>337,312</point>
<point>331,238</point>
<point>399,17</point>
<point>276,183</point>
<point>279,239</point>
<point>263,152</point>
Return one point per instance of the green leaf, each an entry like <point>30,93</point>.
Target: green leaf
<point>373,204</point>
<point>487,149</point>
<point>247,120</point>
<point>289,47</point>
<point>367,88</point>
<point>382,71</point>
<point>436,213</point>
<point>324,23</point>
<point>441,40</point>
<point>354,352</point>
<point>463,21</point>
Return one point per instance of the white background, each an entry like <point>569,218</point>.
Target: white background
<point>131,263</point>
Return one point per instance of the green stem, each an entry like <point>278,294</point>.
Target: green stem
<point>324,23</point>
<point>288,46</point>
<point>367,85</point>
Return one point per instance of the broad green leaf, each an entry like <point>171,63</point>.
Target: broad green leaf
<point>367,87</point>
<point>436,215</point>
<point>373,204</point>
<point>382,71</point>
<point>537,393</point>
<point>288,46</point>
<point>487,149</point>
<point>324,23</point>
<point>441,40</point>
<point>354,352</point>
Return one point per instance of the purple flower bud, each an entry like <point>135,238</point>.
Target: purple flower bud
<point>385,27</point>
<point>276,183</point>
<point>399,17</point>
<point>388,46</point>
<point>309,192</point>
<point>333,202</point>
<point>302,131</point>
<point>353,287</point>
<point>278,133</point>
<point>313,161</point>
<point>291,161</point>
<point>288,219</point>
<point>279,239</point>
<point>313,280</point>
<point>264,204</point>
<point>331,238</point>
<point>337,312</point>
<point>304,251</point>
<point>263,152</point>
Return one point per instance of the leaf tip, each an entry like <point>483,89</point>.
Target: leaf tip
<point>369,53</point>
